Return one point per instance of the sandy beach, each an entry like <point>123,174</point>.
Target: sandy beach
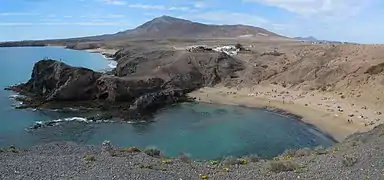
<point>103,51</point>
<point>338,117</point>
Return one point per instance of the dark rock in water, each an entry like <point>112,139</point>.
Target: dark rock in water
<point>148,103</point>
<point>145,81</point>
<point>55,81</point>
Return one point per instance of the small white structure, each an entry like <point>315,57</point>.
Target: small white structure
<point>230,50</point>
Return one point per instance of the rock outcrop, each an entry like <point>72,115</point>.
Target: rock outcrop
<point>55,81</point>
<point>144,81</point>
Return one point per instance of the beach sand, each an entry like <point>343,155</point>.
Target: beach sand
<point>338,117</point>
<point>103,51</point>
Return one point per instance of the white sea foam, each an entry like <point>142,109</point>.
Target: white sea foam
<point>78,119</point>
<point>14,96</point>
<point>112,64</point>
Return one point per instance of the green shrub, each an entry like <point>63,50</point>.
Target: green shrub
<point>129,150</point>
<point>349,160</point>
<point>355,143</point>
<point>89,158</point>
<point>320,150</point>
<point>145,166</point>
<point>152,152</point>
<point>13,149</point>
<point>282,166</point>
<point>228,161</point>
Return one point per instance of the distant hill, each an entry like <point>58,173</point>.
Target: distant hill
<point>313,39</point>
<point>309,38</point>
<point>166,27</point>
<point>170,27</point>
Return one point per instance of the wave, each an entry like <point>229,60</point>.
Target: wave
<point>14,96</point>
<point>41,124</point>
<point>112,64</point>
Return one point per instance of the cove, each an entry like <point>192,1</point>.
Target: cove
<point>203,131</point>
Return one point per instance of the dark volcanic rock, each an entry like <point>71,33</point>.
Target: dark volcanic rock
<point>55,81</point>
<point>182,69</point>
<point>144,105</point>
<point>114,88</point>
<point>145,80</point>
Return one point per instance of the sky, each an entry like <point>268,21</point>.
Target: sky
<point>341,20</point>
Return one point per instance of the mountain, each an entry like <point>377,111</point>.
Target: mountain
<point>164,27</point>
<point>170,27</point>
<point>313,39</point>
<point>309,38</point>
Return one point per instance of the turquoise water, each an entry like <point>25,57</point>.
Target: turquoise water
<point>203,131</point>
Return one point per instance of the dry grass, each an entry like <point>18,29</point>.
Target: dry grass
<point>282,166</point>
<point>89,158</point>
<point>349,160</point>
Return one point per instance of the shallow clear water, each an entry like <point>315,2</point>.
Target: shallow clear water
<point>203,131</point>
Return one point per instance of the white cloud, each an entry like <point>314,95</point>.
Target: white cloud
<point>231,18</point>
<point>182,8</point>
<point>200,4</point>
<point>115,2</point>
<point>149,7</point>
<point>160,7</point>
<point>64,23</point>
<point>16,24</point>
<point>320,8</point>
<point>16,14</point>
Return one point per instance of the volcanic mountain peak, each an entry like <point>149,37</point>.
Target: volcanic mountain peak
<point>171,27</point>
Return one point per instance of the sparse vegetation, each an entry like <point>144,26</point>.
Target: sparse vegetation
<point>129,150</point>
<point>213,163</point>
<point>89,158</point>
<point>152,152</point>
<point>13,149</point>
<point>203,176</point>
<point>355,143</point>
<point>145,166</point>
<point>166,161</point>
<point>282,166</point>
<point>349,160</point>
<point>320,150</point>
<point>229,161</point>
<point>297,152</point>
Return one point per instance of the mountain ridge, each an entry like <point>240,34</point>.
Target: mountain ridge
<point>164,27</point>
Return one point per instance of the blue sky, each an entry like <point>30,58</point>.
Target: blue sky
<point>343,20</point>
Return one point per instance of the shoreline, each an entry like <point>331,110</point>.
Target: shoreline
<point>106,53</point>
<point>335,125</point>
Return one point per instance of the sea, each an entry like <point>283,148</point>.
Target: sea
<point>202,131</point>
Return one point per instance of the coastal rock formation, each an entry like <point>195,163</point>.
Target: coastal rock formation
<point>114,88</point>
<point>55,81</point>
<point>181,69</point>
<point>144,81</point>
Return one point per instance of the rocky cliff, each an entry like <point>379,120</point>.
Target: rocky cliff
<point>144,81</point>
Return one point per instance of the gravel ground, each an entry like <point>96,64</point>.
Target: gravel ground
<point>360,157</point>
